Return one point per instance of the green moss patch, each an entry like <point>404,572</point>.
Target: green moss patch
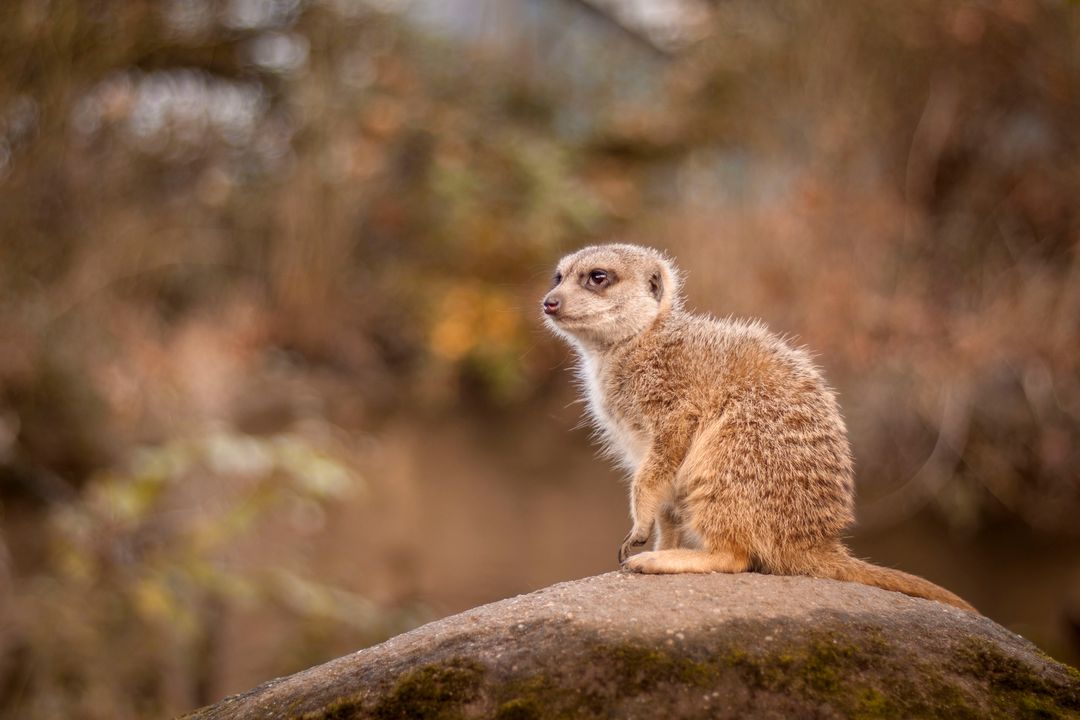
<point>639,668</point>
<point>826,669</point>
<point>851,671</point>
<point>520,709</point>
<point>817,670</point>
<point>1016,690</point>
<point>432,692</point>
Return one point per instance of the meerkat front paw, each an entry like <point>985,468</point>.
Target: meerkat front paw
<point>646,562</point>
<point>637,537</point>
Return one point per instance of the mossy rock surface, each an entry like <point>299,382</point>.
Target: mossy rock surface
<point>688,646</point>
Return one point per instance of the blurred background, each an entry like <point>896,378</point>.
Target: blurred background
<point>273,383</point>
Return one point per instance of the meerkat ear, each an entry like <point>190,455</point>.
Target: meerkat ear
<point>656,285</point>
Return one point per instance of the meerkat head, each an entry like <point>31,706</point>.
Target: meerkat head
<point>604,294</point>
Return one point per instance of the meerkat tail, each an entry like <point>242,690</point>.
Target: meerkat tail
<point>685,560</point>
<point>838,565</point>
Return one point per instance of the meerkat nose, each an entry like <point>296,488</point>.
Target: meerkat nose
<point>551,305</point>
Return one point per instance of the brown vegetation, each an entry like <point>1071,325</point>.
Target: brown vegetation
<point>267,265</point>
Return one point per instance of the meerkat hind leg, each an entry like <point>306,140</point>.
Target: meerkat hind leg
<point>669,533</point>
<point>684,560</point>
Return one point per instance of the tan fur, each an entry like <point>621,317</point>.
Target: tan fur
<point>738,453</point>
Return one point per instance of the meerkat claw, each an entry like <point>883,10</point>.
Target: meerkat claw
<point>630,542</point>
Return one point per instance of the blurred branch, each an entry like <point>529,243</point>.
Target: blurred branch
<point>909,498</point>
<point>633,33</point>
<point>928,142</point>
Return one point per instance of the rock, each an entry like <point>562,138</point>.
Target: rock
<point>687,646</point>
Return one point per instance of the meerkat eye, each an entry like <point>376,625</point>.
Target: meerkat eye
<point>598,278</point>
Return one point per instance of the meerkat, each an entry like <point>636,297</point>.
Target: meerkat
<point>736,449</point>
